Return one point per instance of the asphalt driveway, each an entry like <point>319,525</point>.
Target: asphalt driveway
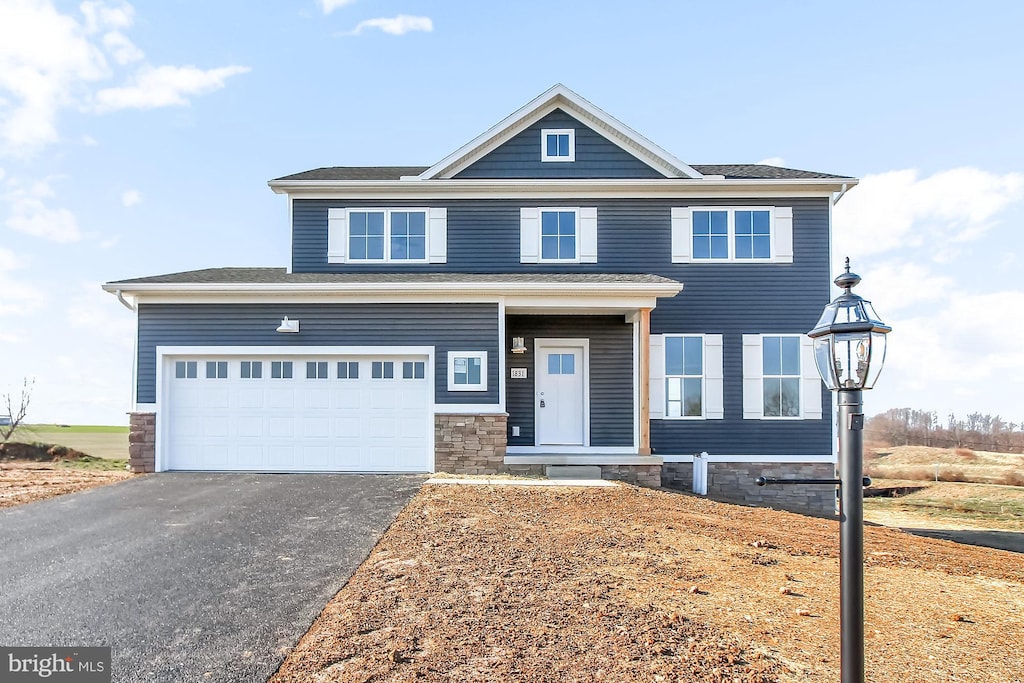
<point>187,576</point>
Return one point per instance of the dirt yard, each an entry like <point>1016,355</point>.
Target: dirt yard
<point>29,473</point>
<point>627,584</point>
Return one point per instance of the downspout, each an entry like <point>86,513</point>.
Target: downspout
<point>130,307</point>
<point>839,196</point>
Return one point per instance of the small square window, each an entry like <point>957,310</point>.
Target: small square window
<point>186,369</point>
<point>348,370</point>
<point>216,369</point>
<point>252,369</point>
<point>281,369</point>
<point>558,144</point>
<point>413,369</point>
<point>316,369</point>
<point>467,371</point>
<point>382,369</point>
<point>558,235</point>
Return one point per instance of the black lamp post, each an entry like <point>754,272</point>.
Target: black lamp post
<point>849,350</point>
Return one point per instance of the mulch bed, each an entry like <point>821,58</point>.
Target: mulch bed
<point>492,583</point>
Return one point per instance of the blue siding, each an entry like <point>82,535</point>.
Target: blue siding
<point>447,327</point>
<point>596,156</point>
<point>611,374</point>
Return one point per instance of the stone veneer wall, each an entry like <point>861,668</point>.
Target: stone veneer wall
<point>470,444</point>
<point>733,482</point>
<point>641,475</point>
<point>142,442</point>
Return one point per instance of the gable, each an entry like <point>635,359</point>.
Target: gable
<point>595,155</point>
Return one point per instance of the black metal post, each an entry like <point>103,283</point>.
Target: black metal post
<point>851,535</point>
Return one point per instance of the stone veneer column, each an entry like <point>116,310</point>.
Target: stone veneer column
<point>142,442</point>
<point>470,444</point>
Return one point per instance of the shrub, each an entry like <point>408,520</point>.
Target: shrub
<point>911,473</point>
<point>1012,479</point>
<point>966,454</point>
<point>952,475</point>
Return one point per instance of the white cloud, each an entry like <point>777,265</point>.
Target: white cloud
<point>17,297</point>
<point>30,214</point>
<point>395,26</point>
<point>100,16</point>
<point>123,50</point>
<point>329,6</point>
<point>772,161</point>
<point>897,208</point>
<point>89,141</point>
<point>131,197</point>
<point>98,313</point>
<point>165,86</point>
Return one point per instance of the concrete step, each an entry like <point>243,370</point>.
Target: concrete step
<point>573,472</point>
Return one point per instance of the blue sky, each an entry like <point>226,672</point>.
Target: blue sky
<point>137,139</point>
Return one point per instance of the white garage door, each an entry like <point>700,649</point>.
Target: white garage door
<point>300,414</point>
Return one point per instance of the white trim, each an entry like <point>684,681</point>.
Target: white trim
<point>144,408</point>
<point>541,210</point>
<point>752,458</point>
<point>502,353</point>
<point>639,383</point>
<point>546,132</point>
<point>703,378</point>
<point>799,376</point>
<point>730,211</point>
<point>608,454</point>
<point>387,211</point>
<point>550,458</point>
<point>559,97</point>
<point>538,344</point>
<point>469,409</point>
<point>479,355</point>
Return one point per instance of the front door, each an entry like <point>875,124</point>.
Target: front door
<point>560,395</point>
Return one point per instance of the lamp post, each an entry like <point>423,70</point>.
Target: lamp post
<point>849,350</point>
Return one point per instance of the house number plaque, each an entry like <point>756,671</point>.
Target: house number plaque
<point>518,373</point>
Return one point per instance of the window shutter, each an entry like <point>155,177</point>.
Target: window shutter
<point>810,389</point>
<point>588,235</point>
<point>438,233</point>
<point>783,234</point>
<point>529,235</point>
<point>681,236</point>
<point>714,378</point>
<point>753,387</point>
<point>657,379</point>
<point>337,236</point>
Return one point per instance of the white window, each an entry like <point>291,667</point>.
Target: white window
<point>780,380</point>
<point>755,234</point>
<point>348,370</point>
<point>413,369</point>
<point>252,369</point>
<point>316,369</point>
<point>686,377</point>
<point>216,369</point>
<point>558,235</point>
<point>406,235</point>
<point>558,144</point>
<point>467,371</point>
<point>382,369</point>
<point>281,369</point>
<point>186,369</point>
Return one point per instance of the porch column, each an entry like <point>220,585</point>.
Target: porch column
<point>644,379</point>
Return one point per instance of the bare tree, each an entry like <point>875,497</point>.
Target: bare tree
<point>17,410</point>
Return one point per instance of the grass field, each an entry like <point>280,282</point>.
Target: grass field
<point>101,441</point>
<point>949,505</point>
<point>925,463</point>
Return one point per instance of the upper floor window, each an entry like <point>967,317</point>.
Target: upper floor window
<point>387,235</point>
<point>558,235</point>
<point>740,234</point>
<point>558,144</point>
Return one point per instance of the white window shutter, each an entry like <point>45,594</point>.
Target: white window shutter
<point>438,235</point>
<point>810,394</point>
<point>529,235</point>
<point>656,381</point>
<point>588,235</point>
<point>783,234</point>
<point>753,387</point>
<point>337,236</point>
<point>714,378</point>
<point>681,234</point>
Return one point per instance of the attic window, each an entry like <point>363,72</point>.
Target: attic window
<point>558,144</point>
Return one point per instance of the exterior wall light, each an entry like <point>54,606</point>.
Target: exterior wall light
<point>288,326</point>
<point>518,345</point>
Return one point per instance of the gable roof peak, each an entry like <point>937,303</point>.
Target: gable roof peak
<point>561,97</point>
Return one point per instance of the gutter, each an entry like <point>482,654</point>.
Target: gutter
<point>843,190</point>
<point>121,298</point>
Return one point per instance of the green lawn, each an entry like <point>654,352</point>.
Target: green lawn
<point>102,441</point>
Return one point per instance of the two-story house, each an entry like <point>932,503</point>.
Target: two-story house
<point>558,291</point>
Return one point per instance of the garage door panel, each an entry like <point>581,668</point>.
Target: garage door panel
<point>336,422</point>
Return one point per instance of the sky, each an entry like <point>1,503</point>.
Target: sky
<point>137,139</point>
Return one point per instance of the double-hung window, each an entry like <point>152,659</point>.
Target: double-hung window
<point>558,144</point>
<point>780,381</point>
<point>684,376</point>
<point>757,234</point>
<point>387,235</point>
<point>780,362</point>
<point>558,235</point>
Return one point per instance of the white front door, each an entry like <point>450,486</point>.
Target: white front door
<point>561,374</point>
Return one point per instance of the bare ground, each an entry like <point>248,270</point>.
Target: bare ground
<point>23,481</point>
<point>626,584</point>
